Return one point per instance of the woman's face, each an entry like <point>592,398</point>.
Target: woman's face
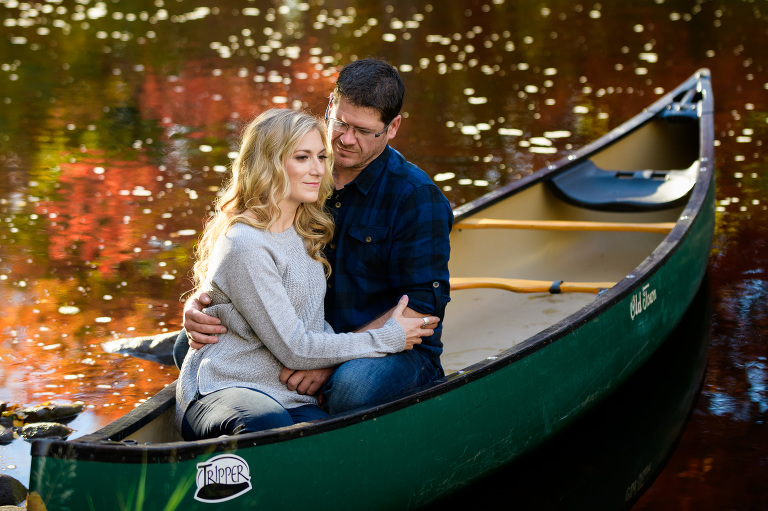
<point>305,169</point>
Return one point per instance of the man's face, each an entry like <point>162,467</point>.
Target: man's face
<point>354,149</point>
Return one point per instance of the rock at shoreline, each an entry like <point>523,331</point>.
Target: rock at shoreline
<point>12,492</point>
<point>44,430</point>
<point>49,412</point>
<point>7,435</point>
<point>156,348</point>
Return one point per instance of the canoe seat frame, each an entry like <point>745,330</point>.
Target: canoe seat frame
<point>529,286</point>
<point>565,225</point>
<point>544,286</point>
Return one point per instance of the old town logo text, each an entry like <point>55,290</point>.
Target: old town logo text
<point>641,301</point>
<point>222,478</point>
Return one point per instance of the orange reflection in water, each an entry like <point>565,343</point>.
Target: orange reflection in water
<point>47,355</point>
<point>93,220</point>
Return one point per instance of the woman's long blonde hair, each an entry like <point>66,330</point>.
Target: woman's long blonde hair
<point>259,182</point>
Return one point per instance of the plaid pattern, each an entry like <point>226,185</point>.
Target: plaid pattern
<point>391,239</point>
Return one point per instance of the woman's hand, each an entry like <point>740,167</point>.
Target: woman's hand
<point>306,382</point>
<point>415,327</point>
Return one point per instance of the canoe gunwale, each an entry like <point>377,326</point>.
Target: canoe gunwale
<point>106,445</point>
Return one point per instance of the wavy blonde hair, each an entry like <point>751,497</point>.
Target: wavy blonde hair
<point>259,182</point>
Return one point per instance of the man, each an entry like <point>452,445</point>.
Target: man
<point>391,239</point>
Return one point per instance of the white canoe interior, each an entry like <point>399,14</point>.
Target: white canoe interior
<point>480,323</point>
<point>483,322</point>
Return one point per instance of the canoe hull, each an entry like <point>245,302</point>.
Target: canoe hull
<point>418,449</point>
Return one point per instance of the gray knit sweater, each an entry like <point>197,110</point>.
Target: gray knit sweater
<point>269,294</point>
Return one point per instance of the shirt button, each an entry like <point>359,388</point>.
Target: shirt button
<point>435,285</point>
<point>330,285</point>
<point>367,239</point>
<point>333,246</point>
<point>338,205</point>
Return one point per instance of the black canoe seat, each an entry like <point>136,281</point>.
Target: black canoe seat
<point>587,185</point>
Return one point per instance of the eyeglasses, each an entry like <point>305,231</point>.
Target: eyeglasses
<point>342,127</point>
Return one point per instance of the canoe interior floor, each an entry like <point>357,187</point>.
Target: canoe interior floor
<point>484,322</point>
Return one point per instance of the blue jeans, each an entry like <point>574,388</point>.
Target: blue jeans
<point>238,410</point>
<point>370,381</point>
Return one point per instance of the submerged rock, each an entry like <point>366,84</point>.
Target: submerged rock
<point>157,348</point>
<point>45,429</point>
<point>12,492</point>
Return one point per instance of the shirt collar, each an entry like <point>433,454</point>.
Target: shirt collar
<point>368,176</point>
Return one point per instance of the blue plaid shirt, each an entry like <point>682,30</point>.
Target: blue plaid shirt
<point>390,239</point>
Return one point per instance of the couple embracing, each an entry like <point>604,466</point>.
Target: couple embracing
<point>321,280</point>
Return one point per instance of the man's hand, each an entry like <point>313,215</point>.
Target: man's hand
<point>408,313</point>
<point>201,328</point>
<point>305,382</point>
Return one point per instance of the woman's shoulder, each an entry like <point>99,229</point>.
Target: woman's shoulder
<point>244,238</point>
<point>241,230</point>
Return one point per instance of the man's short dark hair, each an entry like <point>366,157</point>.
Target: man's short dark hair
<point>371,83</point>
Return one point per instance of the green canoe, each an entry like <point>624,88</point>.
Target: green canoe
<point>609,457</point>
<point>564,283</point>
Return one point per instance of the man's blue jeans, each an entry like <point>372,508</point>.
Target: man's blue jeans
<point>238,410</point>
<point>371,381</point>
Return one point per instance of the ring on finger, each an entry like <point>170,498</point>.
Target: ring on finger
<point>426,322</point>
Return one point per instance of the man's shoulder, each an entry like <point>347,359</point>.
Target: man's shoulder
<point>407,172</point>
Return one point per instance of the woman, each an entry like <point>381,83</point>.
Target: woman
<point>260,259</point>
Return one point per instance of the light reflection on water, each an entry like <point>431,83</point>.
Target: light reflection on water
<point>120,120</point>
<point>744,309</point>
<point>757,376</point>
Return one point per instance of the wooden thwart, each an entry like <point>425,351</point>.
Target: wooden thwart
<point>564,225</point>
<point>529,286</point>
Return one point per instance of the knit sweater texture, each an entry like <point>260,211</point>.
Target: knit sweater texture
<point>269,293</point>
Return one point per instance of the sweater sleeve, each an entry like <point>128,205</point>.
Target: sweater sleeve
<point>249,276</point>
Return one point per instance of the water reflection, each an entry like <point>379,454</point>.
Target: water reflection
<point>119,121</point>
